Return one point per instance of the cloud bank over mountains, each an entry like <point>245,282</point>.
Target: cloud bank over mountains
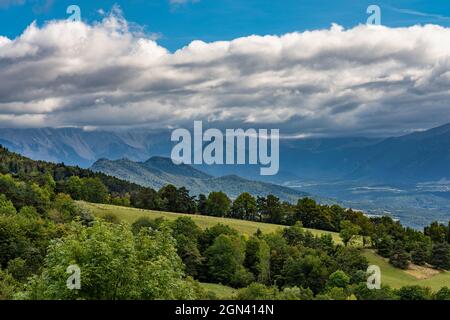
<point>366,80</point>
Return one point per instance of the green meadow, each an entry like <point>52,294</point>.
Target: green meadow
<point>391,276</point>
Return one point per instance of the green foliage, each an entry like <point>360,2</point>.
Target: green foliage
<point>279,253</point>
<point>338,279</point>
<point>306,269</point>
<point>177,200</point>
<point>385,246</point>
<point>399,257</point>
<point>94,190</point>
<point>270,209</point>
<point>414,293</point>
<point>206,239</point>
<point>348,231</point>
<point>65,210</point>
<point>314,216</point>
<point>257,259</point>
<point>146,198</point>
<point>218,204</point>
<point>18,269</point>
<point>146,223</point>
<point>296,293</point>
<point>244,207</point>
<point>111,218</point>
<point>437,232</point>
<point>186,234</point>
<point>333,294</point>
<point>75,187</point>
<point>23,194</point>
<point>384,293</point>
<point>440,255</point>
<point>8,285</point>
<point>114,264</point>
<point>258,291</point>
<point>123,201</point>
<point>26,237</point>
<point>350,261</point>
<point>442,294</point>
<point>201,204</point>
<point>295,235</point>
<point>420,254</point>
<point>6,206</point>
<point>225,258</point>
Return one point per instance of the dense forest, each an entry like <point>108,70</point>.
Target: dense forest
<point>43,231</point>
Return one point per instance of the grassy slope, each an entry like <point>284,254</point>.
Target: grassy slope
<point>390,275</point>
<point>245,227</point>
<point>397,278</point>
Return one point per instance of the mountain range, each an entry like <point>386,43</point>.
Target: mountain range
<point>407,177</point>
<point>413,158</point>
<point>157,172</point>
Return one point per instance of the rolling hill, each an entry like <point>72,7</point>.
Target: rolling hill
<point>130,215</point>
<point>159,171</point>
<point>391,276</point>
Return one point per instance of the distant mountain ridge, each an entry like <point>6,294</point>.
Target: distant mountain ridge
<point>159,171</point>
<point>75,146</point>
<point>413,158</point>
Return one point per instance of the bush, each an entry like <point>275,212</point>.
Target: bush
<point>442,294</point>
<point>414,293</point>
<point>296,293</point>
<point>146,223</point>
<point>8,285</point>
<point>258,291</point>
<point>242,278</point>
<point>111,218</point>
<point>338,279</point>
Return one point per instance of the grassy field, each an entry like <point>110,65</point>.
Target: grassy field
<point>397,278</point>
<point>245,227</point>
<point>391,276</point>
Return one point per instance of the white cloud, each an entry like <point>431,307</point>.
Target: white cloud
<point>365,80</point>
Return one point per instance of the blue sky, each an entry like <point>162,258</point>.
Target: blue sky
<point>210,20</point>
<point>308,77</point>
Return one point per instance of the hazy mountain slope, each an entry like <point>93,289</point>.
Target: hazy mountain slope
<point>158,171</point>
<point>166,165</point>
<point>75,146</point>
<point>417,157</point>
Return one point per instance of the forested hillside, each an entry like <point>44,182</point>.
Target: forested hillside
<point>43,231</point>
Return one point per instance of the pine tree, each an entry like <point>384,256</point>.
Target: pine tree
<point>420,254</point>
<point>399,257</point>
<point>440,256</point>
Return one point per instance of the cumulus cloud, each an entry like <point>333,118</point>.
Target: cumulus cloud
<point>364,80</point>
